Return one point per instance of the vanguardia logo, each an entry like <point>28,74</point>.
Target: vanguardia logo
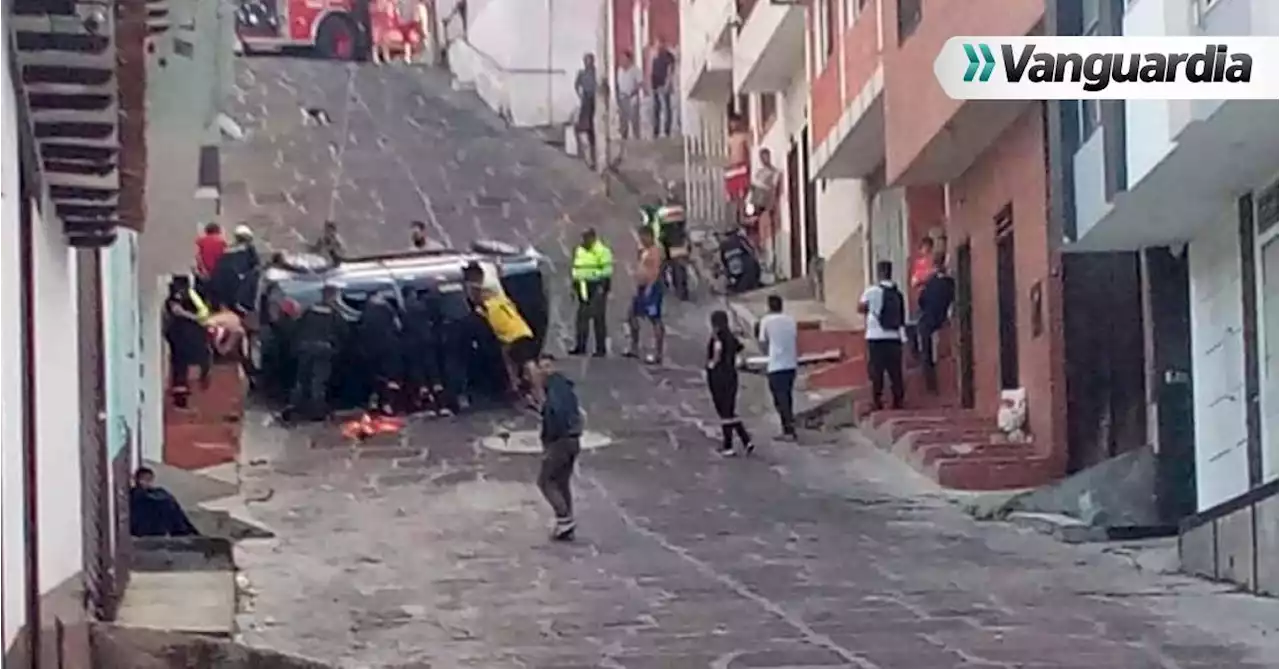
<point>987,63</point>
<point>1097,71</point>
<point>1124,67</point>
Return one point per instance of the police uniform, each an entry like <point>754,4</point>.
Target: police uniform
<point>320,332</point>
<point>592,274</point>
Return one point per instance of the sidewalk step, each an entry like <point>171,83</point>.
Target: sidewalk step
<point>927,455</point>
<point>992,473</point>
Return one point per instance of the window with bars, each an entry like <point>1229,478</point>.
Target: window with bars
<point>910,12</point>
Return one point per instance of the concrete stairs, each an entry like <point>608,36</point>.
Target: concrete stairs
<point>958,448</point>
<point>207,431</point>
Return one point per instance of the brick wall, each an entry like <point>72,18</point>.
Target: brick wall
<point>1011,172</point>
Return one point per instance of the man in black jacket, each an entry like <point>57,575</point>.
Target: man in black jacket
<point>561,442</point>
<point>423,343</point>
<point>936,296</point>
<point>319,334</point>
<point>153,511</point>
<point>235,278</point>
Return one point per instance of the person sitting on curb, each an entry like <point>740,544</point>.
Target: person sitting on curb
<point>154,511</point>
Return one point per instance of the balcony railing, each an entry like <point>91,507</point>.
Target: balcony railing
<point>909,14</point>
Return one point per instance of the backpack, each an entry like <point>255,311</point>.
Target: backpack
<point>893,309</point>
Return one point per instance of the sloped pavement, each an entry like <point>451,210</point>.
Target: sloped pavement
<point>429,549</point>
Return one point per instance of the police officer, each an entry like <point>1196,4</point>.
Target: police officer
<point>423,345</point>
<point>378,336</point>
<point>320,332</point>
<point>592,277</point>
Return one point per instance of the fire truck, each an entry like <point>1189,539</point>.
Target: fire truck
<point>330,27</point>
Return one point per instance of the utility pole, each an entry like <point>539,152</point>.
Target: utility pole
<point>606,61</point>
<point>550,73</point>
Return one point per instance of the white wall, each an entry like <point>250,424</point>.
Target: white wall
<point>514,42</point>
<point>12,536</point>
<point>57,405</point>
<point>153,374</point>
<point>1217,346</point>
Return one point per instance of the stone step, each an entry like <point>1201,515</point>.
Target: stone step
<point>931,453</point>
<point>991,473</point>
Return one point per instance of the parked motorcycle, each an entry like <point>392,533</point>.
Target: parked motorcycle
<point>740,260</point>
<point>667,220</point>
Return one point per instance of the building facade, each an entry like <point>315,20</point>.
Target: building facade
<point>910,163</point>
<point>1181,198</point>
<point>77,120</point>
<point>754,60</point>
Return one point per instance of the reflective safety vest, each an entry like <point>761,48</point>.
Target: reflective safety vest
<point>202,309</point>
<point>591,265</point>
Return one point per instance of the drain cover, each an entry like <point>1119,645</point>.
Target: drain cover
<point>527,441</point>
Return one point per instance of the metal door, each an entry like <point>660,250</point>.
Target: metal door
<point>810,207</point>
<point>1007,301</point>
<point>97,526</point>
<point>796,256</point>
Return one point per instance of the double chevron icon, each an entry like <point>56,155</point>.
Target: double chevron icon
<point>987,61</point>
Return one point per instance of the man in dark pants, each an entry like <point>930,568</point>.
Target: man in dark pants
<point>936,295</point>
<point>561,443</point>
<point>154,511</point>
<point>378,336</point>
<point>320,332</point>
<point>886,312</point>
<point>422,342</point>
<point>778,333</point>
<point>592,277</point>
<point>585,85</point>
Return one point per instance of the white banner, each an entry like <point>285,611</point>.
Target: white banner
<point>1110,68</point>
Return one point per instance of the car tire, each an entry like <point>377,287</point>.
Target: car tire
<point>337,38</point>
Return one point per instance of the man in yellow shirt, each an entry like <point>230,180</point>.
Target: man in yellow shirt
<point>512,331</point>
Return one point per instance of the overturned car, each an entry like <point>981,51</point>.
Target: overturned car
<point>467,355</point>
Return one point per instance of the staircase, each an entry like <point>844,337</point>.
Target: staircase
<point>957,447</point>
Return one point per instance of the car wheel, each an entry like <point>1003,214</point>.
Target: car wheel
<point>336,39</point>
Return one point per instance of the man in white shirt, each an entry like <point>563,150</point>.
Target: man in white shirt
<point>630,82</point>
<point>777,335</point>
<point>886,312</point>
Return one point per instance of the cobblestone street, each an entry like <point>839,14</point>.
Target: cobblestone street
<point>430,550</point>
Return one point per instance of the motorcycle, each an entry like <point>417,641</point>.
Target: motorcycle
<point>740,261</point>
<point>668,221</point>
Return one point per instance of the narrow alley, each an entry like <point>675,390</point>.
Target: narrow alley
<point>430,550</point>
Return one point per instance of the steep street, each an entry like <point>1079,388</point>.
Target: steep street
<point>430,550</point>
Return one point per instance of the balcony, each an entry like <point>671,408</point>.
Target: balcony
<point>768,50</point>
<point>930,137</point>
<point>706,70</point>
<point>67,55</point>
<point>855,145</point>
<point>1185,160</point>
<point>1205,169</point>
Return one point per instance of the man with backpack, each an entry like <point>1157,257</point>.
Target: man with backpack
<point>886,312</point>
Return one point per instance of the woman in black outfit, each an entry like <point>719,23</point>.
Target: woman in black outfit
<point>722,379</point>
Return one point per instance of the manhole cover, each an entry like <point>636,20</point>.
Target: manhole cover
<point>490,201</point>
<point>527,441</point>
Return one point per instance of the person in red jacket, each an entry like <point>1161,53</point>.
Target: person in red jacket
<point>209,249</point>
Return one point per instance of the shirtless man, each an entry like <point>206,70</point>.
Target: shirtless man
<point>737,168</point>
<point>647,304</point>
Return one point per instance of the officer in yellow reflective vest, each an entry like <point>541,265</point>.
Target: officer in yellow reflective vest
<point>592,276</point>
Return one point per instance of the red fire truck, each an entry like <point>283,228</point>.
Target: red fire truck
<point>329,26</point>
